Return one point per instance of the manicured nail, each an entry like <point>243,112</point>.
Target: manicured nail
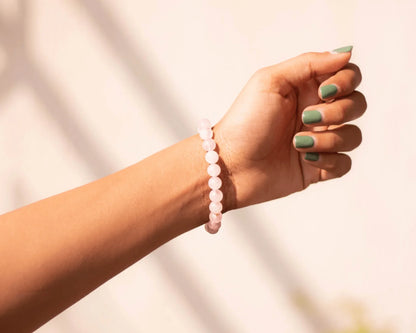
<point>343,49</point>
<point>303,141</point>
<point>312,157</point>
<point>311,117</point>
<point>329,90</point>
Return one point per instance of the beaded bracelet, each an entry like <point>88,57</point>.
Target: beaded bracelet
<point>214,183</point>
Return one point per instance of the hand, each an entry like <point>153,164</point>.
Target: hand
<point>258,138</point>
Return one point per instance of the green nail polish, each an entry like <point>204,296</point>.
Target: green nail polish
<point>303,141</point>
<point>312,157</point>
<point>311,117</point>
<point>343,49</point>
<point>329,90</point>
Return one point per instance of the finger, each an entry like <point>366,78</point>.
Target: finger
<point>342,83</point>
<point>333,165</point>
<point>310,65</point>
<point>338,112</point>
<point>342,138</point>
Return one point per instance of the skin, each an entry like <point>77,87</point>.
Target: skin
<point>57,250</point>
<point>257,133</point>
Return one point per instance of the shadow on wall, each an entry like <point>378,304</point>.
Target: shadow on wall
<point>21,67</point>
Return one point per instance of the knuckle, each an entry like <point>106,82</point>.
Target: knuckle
<point>334,141</point>
<point>357,73</point>
<point>343,165</point>
<point>355,135</point>
<point>262,77</point>
<point>359,103</point>
<point>338,173</point>
<point>353,66</point>
<point>331,164</point>
<point>346,163</point>
<point>307,60</point>
<point>339,113</point>
<point>307,56</point>
<point>358,135</point>
<point>363,101</point>
<point>260,73</point>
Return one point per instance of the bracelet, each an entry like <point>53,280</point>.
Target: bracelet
<point>214,183</point>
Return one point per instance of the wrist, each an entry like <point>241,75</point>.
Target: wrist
<point>227,188</point>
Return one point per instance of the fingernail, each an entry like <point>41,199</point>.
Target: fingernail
<point>312,157</point>
<point>329,90</point>
<point>343,49</point>
<point>311,117</point>
<point>303,141</point>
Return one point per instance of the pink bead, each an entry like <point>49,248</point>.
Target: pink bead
<point>212,228</point>
<point>208,145</point>
<point>215,207</point>
<point>213,170</point>
<point>211,157</point>
<point>214,183</point>
<point>206,133</point>
<point>215,218</point>
<point>215,195</point>
<point>205,123</point>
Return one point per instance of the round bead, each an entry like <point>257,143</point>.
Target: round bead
<point>200,129</point>
<point>215,195</point>
<point>212,228</point>
<point>215,218</point>
<point>215,207</point>
<point>211,157</point>
<point>208,145</point>
<point>205,123</point>
<point>214,183</point>
<point>206,133</point>
<point>213,170</point>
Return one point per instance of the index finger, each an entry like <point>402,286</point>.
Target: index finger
<point>311,65</point>
<point>342,83</point>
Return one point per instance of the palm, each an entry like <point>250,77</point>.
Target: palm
<point>260,127</point>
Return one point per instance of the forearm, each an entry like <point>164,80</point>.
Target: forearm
<point>61,248</point>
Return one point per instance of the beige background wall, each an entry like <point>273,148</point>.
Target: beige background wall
<point>89,87</point>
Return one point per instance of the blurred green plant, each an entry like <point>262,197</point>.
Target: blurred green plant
<point>359,322</point>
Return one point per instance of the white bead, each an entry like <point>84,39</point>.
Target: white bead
<point>205,123</point>
<point>215,218</point>
<point>215,207</point>
<point>208,145</point>
<point>211,157</point>
<point>213,170</point>
<point>206,133</point>
<point>215,195</point>
<point>214,183</point>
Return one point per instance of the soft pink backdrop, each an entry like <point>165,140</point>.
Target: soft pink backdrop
<point>88,87</point>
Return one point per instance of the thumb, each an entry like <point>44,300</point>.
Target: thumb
<point>311,65</point>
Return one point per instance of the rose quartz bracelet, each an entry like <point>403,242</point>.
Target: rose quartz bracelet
<point>214,183</point>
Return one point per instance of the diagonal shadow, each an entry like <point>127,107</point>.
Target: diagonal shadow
<point>13,37</point>
<point>100,165</point>
<point>9,76</point>
<point>282,271</point>
<point>96,160</point>
<point>90,153</point>
<point>8,79</point>
<point>138,67</point>
<point>139,70</point>
<point>62,114</point>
